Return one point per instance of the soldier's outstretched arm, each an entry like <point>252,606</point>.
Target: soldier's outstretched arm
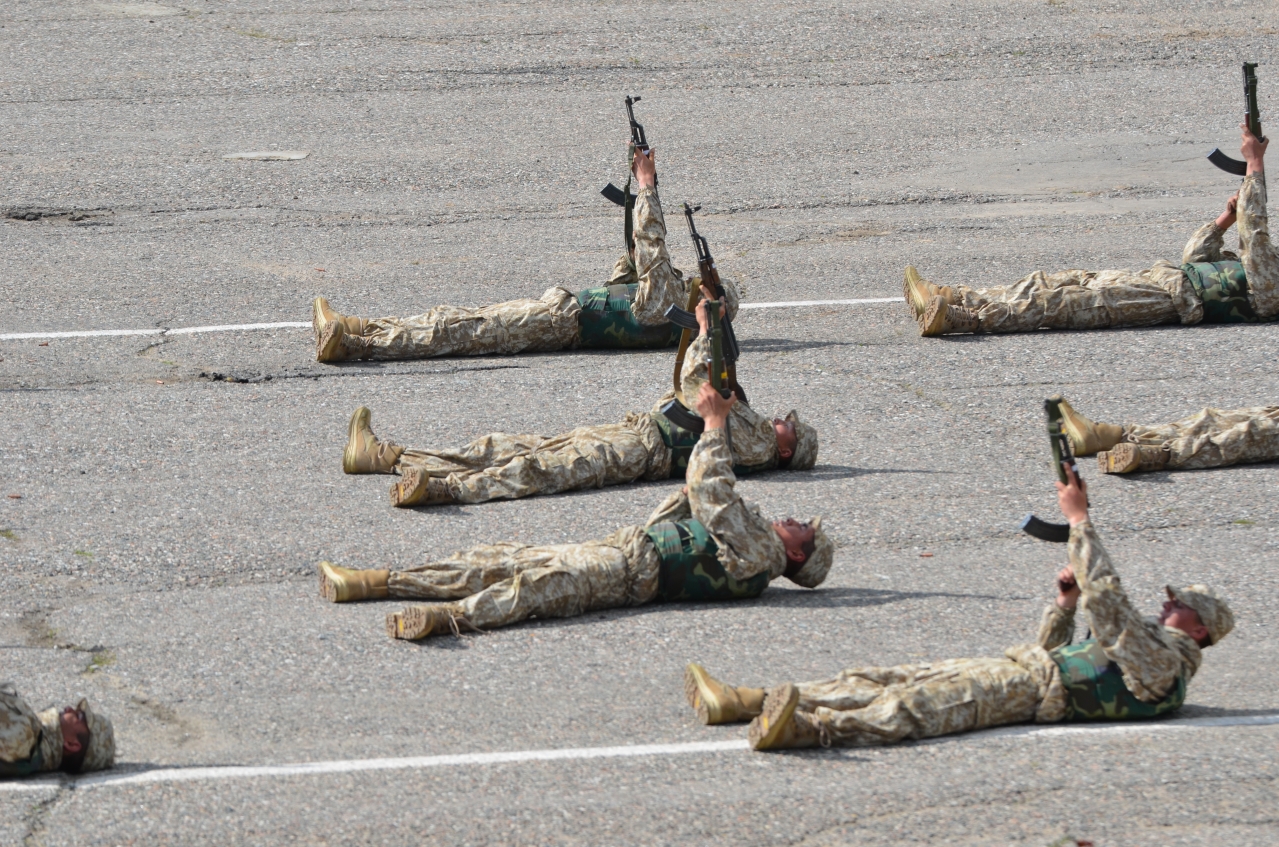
<point>1149,663</point>
<point>659,287</point>
<point>748,544</point>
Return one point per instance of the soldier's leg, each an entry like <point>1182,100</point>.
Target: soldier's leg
<point>1213,438</point>
<point>575,579</point>
<point>1076,300</point>
<point>517,326</point>
<point>885,705</point>
<point>1259,257</point>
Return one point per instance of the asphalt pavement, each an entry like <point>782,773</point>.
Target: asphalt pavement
<point>168,495</point>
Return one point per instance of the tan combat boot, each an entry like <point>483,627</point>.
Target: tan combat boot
<point>416,622</point>
<point>779,726</point>
<point>346,585</point>
<point>364,453</point>
<point>941,318</point>
<point>1129,458</point>
<point>329,330</point>
<point>919,292</point>
<point>418,488</point>
<point>717,703</point>
<point>1087,437</point>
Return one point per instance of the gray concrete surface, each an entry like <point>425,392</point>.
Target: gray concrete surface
<point>176,492</point>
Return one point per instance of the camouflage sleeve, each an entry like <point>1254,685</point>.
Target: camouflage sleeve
<point>659,286</point>
<point>1056,627</point>
<point>747,543</point>
<point>754,440</point>
<point>1260,260</point>
<point>1204,246</point>
<point>1149,661</point>
<point>673,508</point>
<point>19,726</point>
<point>696,371</point>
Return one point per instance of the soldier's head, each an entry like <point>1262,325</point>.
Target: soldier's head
<point>1199,612</point>
<point>796,442</point>
<point>88,739</point>
<point>809,551</point>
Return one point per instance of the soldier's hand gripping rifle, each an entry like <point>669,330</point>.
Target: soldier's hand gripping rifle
<point>675,411</point>
<point>1253,118</point>
<point>624,197</point>
<point>1058,533</point>
<point>686,319</point>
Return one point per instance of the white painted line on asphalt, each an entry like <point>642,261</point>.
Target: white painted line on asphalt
<point>788,304</point>
<point>110,780</point>
<point>88,333</point>
<point>183,330</point>
<point>191,330</point>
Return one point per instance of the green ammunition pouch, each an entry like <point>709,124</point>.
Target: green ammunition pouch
<point>606,321</point>
<point>1223,288</point>
<point>1095,689</point>
<point>681,442</point>
<point>31,765</point>
<point>690,570</point>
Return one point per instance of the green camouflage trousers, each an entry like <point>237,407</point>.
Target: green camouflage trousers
<point>1214,438</point>
<point>867,706</point>
<point>500,584</point>
<point>1079,299</point>
<point>502,466</point>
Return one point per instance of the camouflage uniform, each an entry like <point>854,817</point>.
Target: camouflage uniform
<point>1214,438</point>
<point>501,584</point>
<point>1162,294</point>
<point>31,743</point>
<point>876,705</point>
<point>642,446</point>
<point>630,312</point>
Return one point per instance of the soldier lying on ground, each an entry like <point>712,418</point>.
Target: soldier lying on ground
<point>703,543</point>
<point>629,312</point>
<point>1211,285</point>
<point>1131,668</point>
<point>74,740</point>
<point>1213,438</point>
<point>643,446</point>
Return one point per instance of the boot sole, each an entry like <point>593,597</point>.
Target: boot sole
<point>779,708</point>
<point>1120,459</point>
<point>910,292</point>
<point>412,624</point>
<point>327,589</point>
<point>933,322</point>
<point>328,344</point>
<point>411,490</point>
<point>695,691</point>
<point>360,416</point>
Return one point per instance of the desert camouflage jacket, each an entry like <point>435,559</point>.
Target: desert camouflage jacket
<point>27,737</point>
<point>747,543</point>
<point>1151,656</point>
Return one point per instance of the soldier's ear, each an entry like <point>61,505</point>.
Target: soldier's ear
<point>799,557</point>
<point>785,453</point>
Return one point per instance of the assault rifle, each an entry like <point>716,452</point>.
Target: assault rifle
<point>1058,533</point>
<point>685,318</point>
<point>675,411</point>
<point>624,197</point>
<point>1253,118</point>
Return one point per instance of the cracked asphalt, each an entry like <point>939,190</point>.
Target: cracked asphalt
<point>167,497</point>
